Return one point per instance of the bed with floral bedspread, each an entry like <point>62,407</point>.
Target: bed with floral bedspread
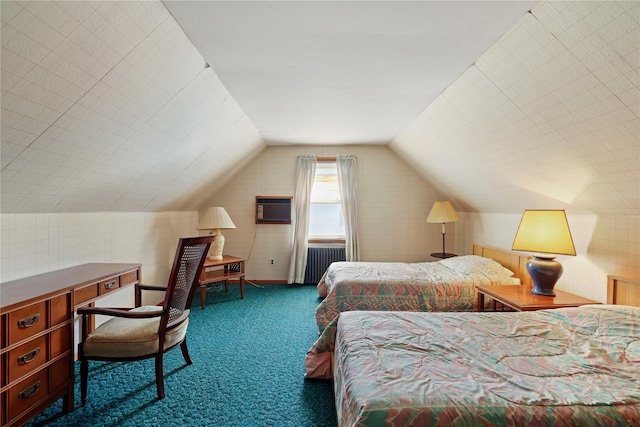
<point>565,367</point>
<point>446,285</point>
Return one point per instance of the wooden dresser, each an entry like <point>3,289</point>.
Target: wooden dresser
<point>37,334</point>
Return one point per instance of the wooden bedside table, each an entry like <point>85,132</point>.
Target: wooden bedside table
<point>520,298</point>
<point>443,255</point>
<point>221,271</point>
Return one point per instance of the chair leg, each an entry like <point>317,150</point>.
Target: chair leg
<point>159,376</point>
<point>84,373</point>
<point>185,352</point>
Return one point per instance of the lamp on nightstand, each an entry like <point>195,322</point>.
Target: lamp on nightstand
<point>443,212</point>
<point>216,219</point>
<point>547,233</point>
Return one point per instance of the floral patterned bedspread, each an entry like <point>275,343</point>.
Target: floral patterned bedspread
<point>447,285</point>
<point>563,367</point>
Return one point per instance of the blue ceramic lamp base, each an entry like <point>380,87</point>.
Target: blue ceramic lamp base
<point>545,272</point>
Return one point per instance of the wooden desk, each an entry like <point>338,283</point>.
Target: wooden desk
<point>37,339</point>
<point>520,298</point>
<point>221,271</point>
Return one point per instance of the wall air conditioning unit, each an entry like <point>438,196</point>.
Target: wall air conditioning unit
<point>273,209</point>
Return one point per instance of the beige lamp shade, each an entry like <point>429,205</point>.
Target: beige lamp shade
<point>544,231</point>
<point>216,219</point>
<point>443,212</point>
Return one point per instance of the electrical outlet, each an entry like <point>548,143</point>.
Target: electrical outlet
<point>272,262</point>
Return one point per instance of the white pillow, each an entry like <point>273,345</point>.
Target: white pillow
<point>474,264</point>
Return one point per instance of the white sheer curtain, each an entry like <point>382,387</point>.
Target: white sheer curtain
<point>348,179</point>
<point>305,173</point>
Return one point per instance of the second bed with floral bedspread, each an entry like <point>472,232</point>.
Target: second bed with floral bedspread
<point>570,366</point>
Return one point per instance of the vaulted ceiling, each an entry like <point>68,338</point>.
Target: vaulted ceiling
<point>139,106</point>
<point>345,72</point>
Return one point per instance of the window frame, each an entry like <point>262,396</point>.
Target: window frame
<point>316,239</point>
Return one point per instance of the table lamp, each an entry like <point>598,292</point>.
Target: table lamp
<point>443,212</point>
<point>216,219</point>
<point>545,232</point>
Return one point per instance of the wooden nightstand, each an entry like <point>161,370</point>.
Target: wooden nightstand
<point>443,255</point>
<point>520,298</point>
<point>221,271</point>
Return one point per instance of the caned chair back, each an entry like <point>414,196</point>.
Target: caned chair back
<point>130,334</point>
<point>190,256</point>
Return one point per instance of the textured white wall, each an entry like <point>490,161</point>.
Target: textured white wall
<point>604,245</point>
<point>38,243</point>
<point>393,204</point>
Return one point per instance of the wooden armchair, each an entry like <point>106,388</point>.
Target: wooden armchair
<point>147,331</point>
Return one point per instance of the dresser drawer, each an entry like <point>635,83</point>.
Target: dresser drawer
<point>109,285</point>
<point>4,327</point>
<point>3,371</point>
<point>60,309</point>
<point>27,321</point>
<point>37,387</point>
<point>35,353</point>
<point>3,408</point>
<point>60,374</point>
<point>85,294</point>
<point>128,278</point>
<point>28,392</point>
<point>60,341</point>
<point>27,357</point>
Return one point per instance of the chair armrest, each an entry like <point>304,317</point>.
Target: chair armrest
<point>114,312</point>
<point>141,287</point>
<point>150,287</point>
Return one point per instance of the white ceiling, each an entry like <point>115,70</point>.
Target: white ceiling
<point>109,106</point>
<point>345,72</point>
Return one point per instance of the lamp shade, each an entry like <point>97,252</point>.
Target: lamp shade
<point>544,231</point>
<point>443,212</point>
<point>216,218</point>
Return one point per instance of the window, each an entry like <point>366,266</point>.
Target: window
<point>326,221</point>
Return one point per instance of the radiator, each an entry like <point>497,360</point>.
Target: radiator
<point>318,259</point>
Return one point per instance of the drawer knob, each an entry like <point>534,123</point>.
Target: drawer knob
<point>110,285</point>
<point>27,393</point>
<point>28,357</point>
<point>28,322</point>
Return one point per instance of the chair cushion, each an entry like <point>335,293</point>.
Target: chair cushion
<point>121,337</point>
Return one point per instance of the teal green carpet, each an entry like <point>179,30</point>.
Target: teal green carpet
<point>248,369</point>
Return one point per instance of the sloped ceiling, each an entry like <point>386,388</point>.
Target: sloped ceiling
<point>108,106</point>
<point>547,118</point>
